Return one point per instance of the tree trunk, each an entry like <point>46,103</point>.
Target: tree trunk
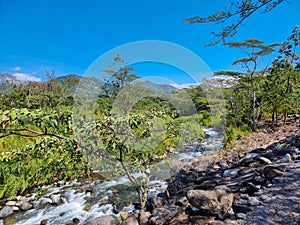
<point>254,110</point>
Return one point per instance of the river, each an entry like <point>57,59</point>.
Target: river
<point>96,199</point>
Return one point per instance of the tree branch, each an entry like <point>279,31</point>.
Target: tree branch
<point>33,133</point>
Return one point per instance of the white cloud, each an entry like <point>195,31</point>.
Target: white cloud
<point>181,86</point>
<point>17,68</point>
<point>26,77</point>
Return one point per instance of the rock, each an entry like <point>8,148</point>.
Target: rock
<point>265,160</point>
<point>231,172</point>
<point>15,208</point>
<point>286,159</point>
<point>143,217</point>
<point>131,220</point>
<point>24,200</point>
<point>211,202</point>
<point>182,201</point>
<point>75,220</point>
<point>279,147</point>
<point>156,202</point>
<point>56,199</point>
<point>19,198</point>
<point>33,197</point>
<point>241,208</point>
<point>242,216</point>
<point>223,165</point>
<point>123,215</point>
<point>44,222</point>
<point>11,203</point>
<point>251,155</point>
<point>118,208</point>
<point>107,220</point>
<point>161,215</point>
<point>60,183</point>
<point>26,206</point>
<point>78,190</point>
<point>253,201</point>
<point>251,188</point>
<point>271,172</point>
<point>5,211</point>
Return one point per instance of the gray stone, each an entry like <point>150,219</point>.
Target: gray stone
<point>242,216</point>
<point>26,206</point>
<point>231,172</point>
<point>24,200</point>
<point>107,220</point>
<point>6,211</point>
<point>251,155</point>
<point>253,201</point>
<point>211,202</point>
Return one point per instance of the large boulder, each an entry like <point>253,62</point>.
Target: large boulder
<point>211,202</point>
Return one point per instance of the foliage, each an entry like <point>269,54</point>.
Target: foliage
<point>233,16</point>
<point>41,163</point>
<point>119,75</point>
<point>233,133</point>
<point>52,154</point>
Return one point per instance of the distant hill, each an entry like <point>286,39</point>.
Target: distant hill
<point>94,83</point>
<point>160,88</point>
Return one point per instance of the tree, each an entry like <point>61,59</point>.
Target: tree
<point>119,75</point>
<point>282,85</point>
<point>254,50</point>
<point>233,16</point>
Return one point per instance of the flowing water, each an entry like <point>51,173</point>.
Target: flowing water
<point>88,201</point>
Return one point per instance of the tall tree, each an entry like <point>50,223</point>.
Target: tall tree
<point>254,50</point>
<point>233,16</point>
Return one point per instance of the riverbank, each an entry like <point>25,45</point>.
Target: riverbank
<point>255,182</point>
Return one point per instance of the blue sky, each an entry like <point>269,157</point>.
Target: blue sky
<point>69,35</point>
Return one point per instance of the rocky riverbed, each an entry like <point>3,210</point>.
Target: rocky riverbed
<point>240,186</point>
